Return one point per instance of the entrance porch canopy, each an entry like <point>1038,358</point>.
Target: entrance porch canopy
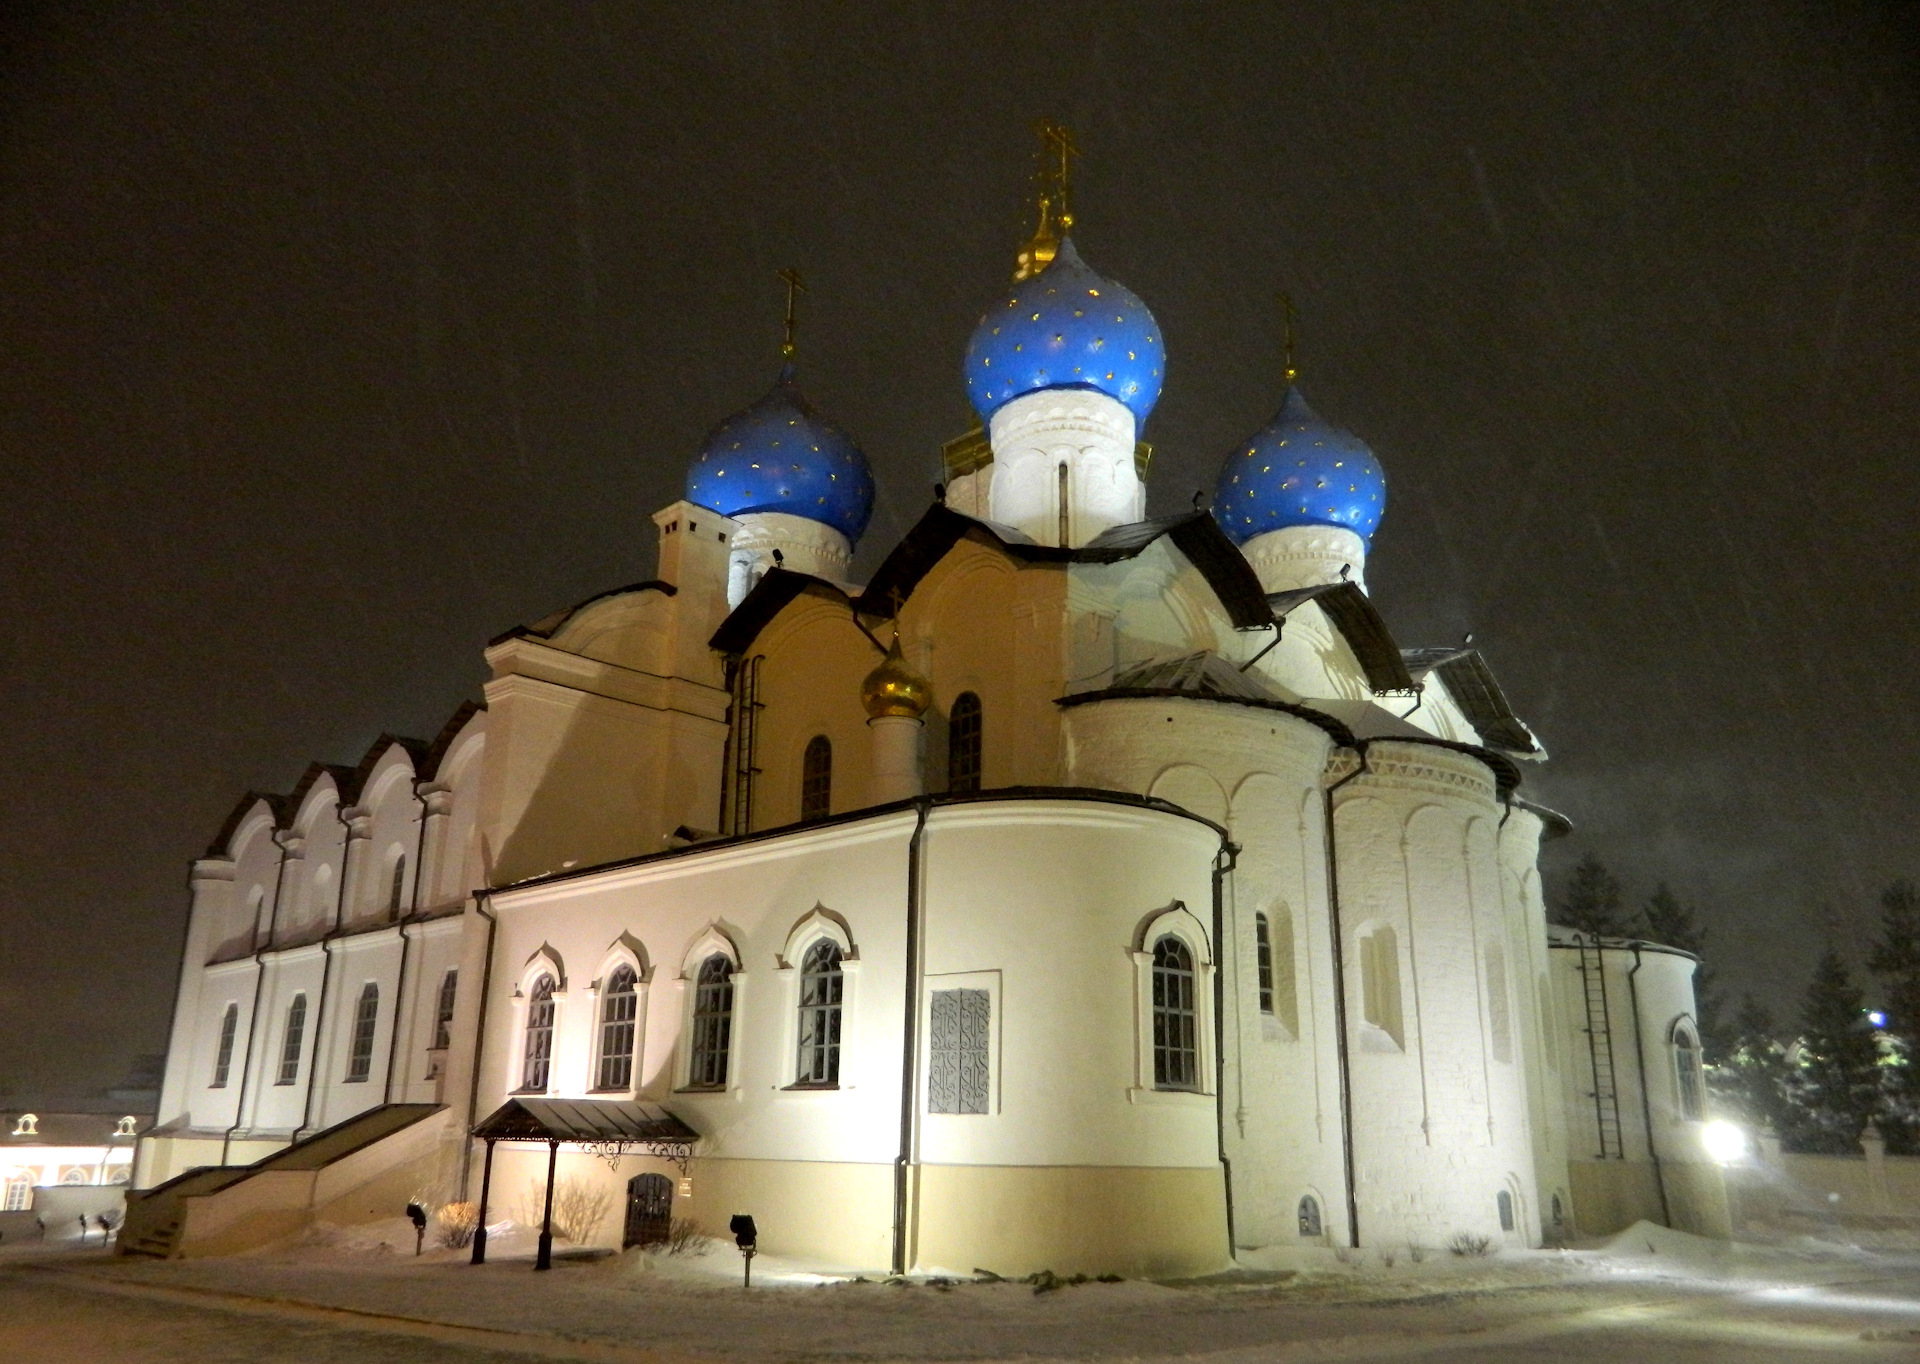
<point>609,1127</point>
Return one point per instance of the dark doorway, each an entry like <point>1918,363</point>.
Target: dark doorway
<point>649,1210</point>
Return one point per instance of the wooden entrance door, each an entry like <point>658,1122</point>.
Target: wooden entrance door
<point>649,1210</point>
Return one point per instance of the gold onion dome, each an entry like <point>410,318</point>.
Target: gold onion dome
<point>895,689</point>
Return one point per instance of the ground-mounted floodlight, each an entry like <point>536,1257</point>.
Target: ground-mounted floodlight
<point>1723,1141</point>
<point>418,1216</point>
<point>746,1237</point>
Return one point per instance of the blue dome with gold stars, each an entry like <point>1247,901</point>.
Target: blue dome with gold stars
<point>1300,470</point>
<point>780,455</point>
<point>1066,327</point>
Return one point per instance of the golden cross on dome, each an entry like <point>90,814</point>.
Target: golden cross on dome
<point>794,287</point>
<point>1050,188</point>
<point>1057,137</point>
<point>1286,309</point>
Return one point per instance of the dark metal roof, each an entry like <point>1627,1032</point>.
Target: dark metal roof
<point>1203,673</point>
<point>1357,619</point>
<point>549,626</point>
<point>584,1120</point>
<point>1471,684</point>
<point>770,596</point>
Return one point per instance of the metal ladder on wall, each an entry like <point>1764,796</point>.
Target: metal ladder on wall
<point>1606,1093</point>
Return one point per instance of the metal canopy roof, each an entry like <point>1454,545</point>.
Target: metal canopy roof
<point>584,1120</point>
<point>1471,684</point>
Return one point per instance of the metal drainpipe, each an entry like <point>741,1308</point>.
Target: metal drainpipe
<point>1340,998</point>
<point>909,1069</point>
<point>479,1039</point>
<point>1224,862</point>
<point>1646,1102</point>
<point>259,979</point>
<point>400,985</point>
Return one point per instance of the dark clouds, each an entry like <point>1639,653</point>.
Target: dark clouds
<point>338,338</point>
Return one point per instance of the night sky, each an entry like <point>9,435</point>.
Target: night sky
<point>336,338</point>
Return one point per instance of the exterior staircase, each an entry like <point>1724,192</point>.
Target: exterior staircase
<point>364,1168</point>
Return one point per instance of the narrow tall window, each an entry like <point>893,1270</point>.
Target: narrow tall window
<point>366,1016</point>
<point>1176,1054</point>
<point>712,1024</point>
<point>816,779</point>
<point>1686,1062</point>
<point>957,1078</point>
<point>1263,960</point>
<point>291,1041</point>
<point>618,1009</point>
<point>821,984</point>
<point>537,1055</point>
<point>1309,1214</point>
<point>1499,1009</point>
<point>1380,983</point>
<point>963,743</point>
<point>1503,1204</point>
<point>398,888</point>
<point>443,1011</point>
<point>223,1059</point>
<point>19,1195</point>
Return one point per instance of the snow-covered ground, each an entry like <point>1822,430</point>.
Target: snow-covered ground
<point>1648,1295</point>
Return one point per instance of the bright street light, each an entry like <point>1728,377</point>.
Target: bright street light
<point>1724,1141</point>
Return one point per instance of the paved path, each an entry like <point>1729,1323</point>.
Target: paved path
<point>60,1309</point>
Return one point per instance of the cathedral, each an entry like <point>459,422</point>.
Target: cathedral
<point>1086,890</point>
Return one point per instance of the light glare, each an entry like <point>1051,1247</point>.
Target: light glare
<point>1723,1141</point>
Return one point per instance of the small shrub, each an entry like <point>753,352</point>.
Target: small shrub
<point>1387,1258</point>
<point>578,1208</point>
<point>456,1223</point>
<point>685,1237</point>
<point>1416,1252</point>
<point>1470,1245</point>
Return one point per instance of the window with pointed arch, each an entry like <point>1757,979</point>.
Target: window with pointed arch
<point>712,1024</point>
<point>964,734</point>
<point>443,1010</point>
<point>1176,1019</point>
<point>822,988</point>
<point>396,890</point>
<point>366,1018</point>
<point>1263,960</point>
<point>536,1054</point>
<point>292,1039</point>
<point>619,1008</point>
<point>223,1055</point>
<point>816,779</point>
<point>1686,1066</point>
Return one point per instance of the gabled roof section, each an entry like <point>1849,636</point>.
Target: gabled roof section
<point>1196,534</point>
<point>775,591</point>
<point>1471,684</point>
<point>549,626</point>
<point>429,765</point>
<point>276,804</point>
<point>1203,676</point>
<point>416,751</point>
<point>1357,619</point>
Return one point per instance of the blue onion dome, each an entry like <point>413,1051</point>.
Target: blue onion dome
<point>1300,470</point>
<point>780,455</point>
<point>1066,327</point>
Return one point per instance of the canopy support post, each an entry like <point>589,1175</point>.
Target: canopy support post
<point>544,1260</point>
<point>480,1214</point>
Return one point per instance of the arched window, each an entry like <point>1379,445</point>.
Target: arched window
<point>443,1011</point>
<point>366,1016</point>
<point>619,1007</point>
<point>223,1058</point>
<point>1309,1216</point>
<point>816,779</point>
<point>1686,1065</point>
<point>963,743</point>
<point>537,1056</point>
<point>291,1040</point>
<point>712,1024</point>
<point>76,1175</point>
<point>398,887</point>
<point>1559,1211</point>
<point>1176,1032</point>
<point>821,986</point>
<point>1504,1202</point>
<point>1380,983</point>
<point>1263,961</point>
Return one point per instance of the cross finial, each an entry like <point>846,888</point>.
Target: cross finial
<point>1286,310</point>
<point>794,288</point>
<point>1057,139</point>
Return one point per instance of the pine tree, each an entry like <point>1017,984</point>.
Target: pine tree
<point>1833,1080</point>
<point>1591,901</point>
<point>1672,923</point>
<point>1895,958</point>
<point>1748,1077</point>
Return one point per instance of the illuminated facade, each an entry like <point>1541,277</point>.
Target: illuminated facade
<point>1083,891</point>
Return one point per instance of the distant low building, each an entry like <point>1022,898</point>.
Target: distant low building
<point>49,1150</point>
